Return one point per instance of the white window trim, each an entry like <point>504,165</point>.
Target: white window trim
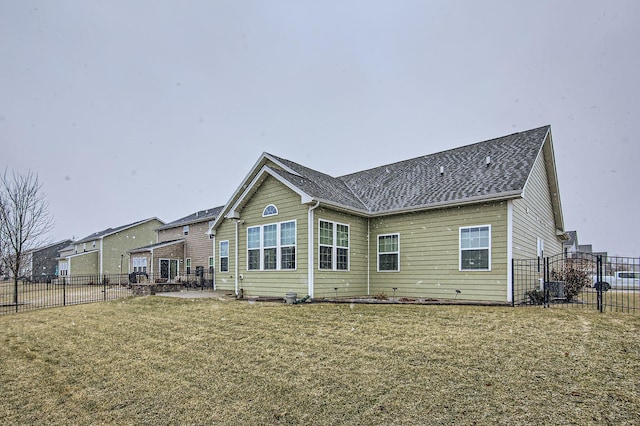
<point>265,214</point>
<point>278,246</point>
<point>139,262</point>
<point>211,265</point>
<point>334,246</point>
<point>460,249</point>
<point>222,257</point>
<point>388,252</point>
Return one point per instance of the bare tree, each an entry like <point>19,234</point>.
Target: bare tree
<point>25,219</point>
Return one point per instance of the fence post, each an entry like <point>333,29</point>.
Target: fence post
<point>104,287</point>
<point>599,285</point>
<point>64,291</point>
<point>545,281</point>
<point>513,282</point>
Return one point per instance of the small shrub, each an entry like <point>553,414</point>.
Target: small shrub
<point>536,296</point>
<point>381,296</point>
<point>575,275</point>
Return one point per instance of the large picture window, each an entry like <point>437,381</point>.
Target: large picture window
<point>224,256</point>
<point>333,246</point>
<point>389,252</point>
<point>475,248</point>
<point>271,247</point>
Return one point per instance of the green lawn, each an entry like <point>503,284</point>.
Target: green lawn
<point>157,360</point>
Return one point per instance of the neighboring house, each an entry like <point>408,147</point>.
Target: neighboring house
<point>585,248</point>
<point>106,252</point>
<point>42,262</point>
<point>570,247</point>
<point>183,247</point>
<point>445,225</point>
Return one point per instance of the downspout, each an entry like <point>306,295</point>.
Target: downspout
<point>310,264</point>
<point>237,222</point>
<point>101,255</point>
<point>368,256</point>
<point>213,251</point>
<point>509,251</point>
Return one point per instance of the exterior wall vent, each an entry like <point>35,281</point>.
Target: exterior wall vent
<point>441,170</point>
<point>488,160</point>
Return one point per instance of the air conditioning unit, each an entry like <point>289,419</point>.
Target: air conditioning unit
<point>555,288</point>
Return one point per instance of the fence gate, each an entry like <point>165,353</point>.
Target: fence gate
<point>590,281</point>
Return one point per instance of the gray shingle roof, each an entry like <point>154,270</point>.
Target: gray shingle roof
<point>155,245</point>
<point>418,183</point>
<point>110,231</point>
<point>200,216</point>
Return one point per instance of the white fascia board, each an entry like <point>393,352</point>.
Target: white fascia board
<point>281,164</point>
<point>79,254</point>
<point>239,190</point>
<point>156,246</point>
<point>266,170</point>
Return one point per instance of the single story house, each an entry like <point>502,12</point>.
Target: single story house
<point>443,226</point>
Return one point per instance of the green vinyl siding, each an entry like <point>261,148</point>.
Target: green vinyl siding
<point>225,232</point>
<point>84,264</point>
<point>349,283</point>
<point>267,282</point>
<point>533,216</point>
<point>430,255</point>
<point>115,246</point>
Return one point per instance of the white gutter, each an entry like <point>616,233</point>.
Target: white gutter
<point>505,196</point>
<point>310,264</point>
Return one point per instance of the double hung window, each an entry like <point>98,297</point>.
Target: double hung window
<point>224,256</point>
<point>475,248</point>
<point>389,252</point>
<point>334,246</point>
<point>271,247</point>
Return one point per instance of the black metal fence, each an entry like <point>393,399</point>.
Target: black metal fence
<point>28,294</point>
<point>590,281</point>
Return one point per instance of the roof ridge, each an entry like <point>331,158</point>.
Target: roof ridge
<point>443,152</point>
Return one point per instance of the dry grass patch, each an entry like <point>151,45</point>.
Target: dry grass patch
<point>156,360</point>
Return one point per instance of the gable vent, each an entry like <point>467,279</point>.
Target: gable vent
<point>441,170</point>
<point>488,161</point>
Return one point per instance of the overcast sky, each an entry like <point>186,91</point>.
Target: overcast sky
<point>133,109</point>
